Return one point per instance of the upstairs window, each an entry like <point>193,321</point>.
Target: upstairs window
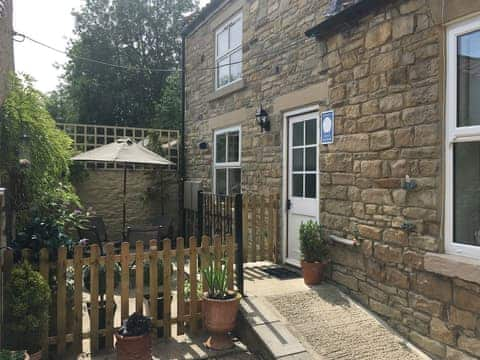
<point>462,221</point>
<point>228,52</point>
<point>227,170</point>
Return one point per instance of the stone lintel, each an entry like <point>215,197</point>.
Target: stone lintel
<point>453,266</point>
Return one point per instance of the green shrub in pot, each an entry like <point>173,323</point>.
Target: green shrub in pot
<point>314,251</point>
<point>27,299</point>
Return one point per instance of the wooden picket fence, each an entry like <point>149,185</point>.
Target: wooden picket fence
<point>260,215</point>
<point>179,266</point>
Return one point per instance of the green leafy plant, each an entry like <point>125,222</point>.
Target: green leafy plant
<point>35,154</point>
<point>187,289</point>
<point>12,355</point>
<point>312,245</point>
<point>216,278</point>
<point>27,299</point>
<point>136,325</point>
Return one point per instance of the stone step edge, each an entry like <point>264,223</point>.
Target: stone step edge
<point>247,333</point>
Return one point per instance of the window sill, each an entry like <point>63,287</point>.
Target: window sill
<point>453,266</point>
<point>227,90</point>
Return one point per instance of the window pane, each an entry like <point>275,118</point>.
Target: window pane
<point>297,159</point>
<point>233,154</point>
<point>467,193</point>
<point>223,72</point>
<point>297,185</point>
<point>235,181</point>
<point>311,159</point>
<point>311,132</point>
<point>469,79</point>
<point>221,181</point>
<point>310,185</point>
<point>298,134</point>
<point>222,43</point>
<point>221,148</point>
<point>236,65</point>
<point>236,34</point>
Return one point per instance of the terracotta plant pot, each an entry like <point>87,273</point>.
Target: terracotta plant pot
<point>312,272</point>
<point>134,347</point>
<point>219,318</point>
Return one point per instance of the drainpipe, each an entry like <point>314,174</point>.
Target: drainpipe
<point>182,147</point>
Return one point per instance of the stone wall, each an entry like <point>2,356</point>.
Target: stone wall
<point>385,82</point>
<point>103,191</point>
<point>6,46</point>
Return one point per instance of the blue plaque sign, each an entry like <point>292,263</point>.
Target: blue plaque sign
<point>327,127</point>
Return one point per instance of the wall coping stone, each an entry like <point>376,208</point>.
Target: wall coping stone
<point>453,266</point>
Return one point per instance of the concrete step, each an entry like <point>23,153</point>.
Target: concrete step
<point>265,333</point>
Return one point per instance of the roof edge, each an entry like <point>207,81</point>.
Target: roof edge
<point>202,15</point>
<point>348,15</point>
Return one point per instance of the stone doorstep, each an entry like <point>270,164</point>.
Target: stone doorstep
<point>264,331</point>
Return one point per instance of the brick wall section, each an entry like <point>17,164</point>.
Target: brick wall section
<point>6,46</point>
<point>385,80</point>
<point>103,191</point>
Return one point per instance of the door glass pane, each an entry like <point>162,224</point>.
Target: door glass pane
<point>297,185</point>
<point>223,72</point>
<point>236,34</point>
<point>311,132</point>
<point>310,186</point>
<point>222,42</point>
<point>233,154</point>
<point>235,181</point>
<point>311,159</point>
<point>297,159</point>
<point>468,79</point>
<point>221,148</point>
<point>221,181</point>
<point>298,134</point>
<point>236,65</point>
<point>467,193</point>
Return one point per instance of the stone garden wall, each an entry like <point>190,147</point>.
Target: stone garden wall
<point>149,196</point>
<point>384,77</point>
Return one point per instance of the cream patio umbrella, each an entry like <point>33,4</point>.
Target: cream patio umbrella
<point>123,151</point>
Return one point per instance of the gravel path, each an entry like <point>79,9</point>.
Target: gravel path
<point>334,327</point>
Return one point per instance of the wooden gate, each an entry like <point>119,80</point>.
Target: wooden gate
<point>181,266</point>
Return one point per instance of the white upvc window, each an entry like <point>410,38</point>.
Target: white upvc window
<point>228,52</point>
<point>227,171</point>
<point>462,218</point>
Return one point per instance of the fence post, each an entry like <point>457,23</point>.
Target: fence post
<point>239,240</point>
<point>200,214</point>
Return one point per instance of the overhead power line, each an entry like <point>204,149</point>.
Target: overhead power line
<point>141,69</point>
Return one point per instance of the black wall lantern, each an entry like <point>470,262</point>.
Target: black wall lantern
<point>262,119</point>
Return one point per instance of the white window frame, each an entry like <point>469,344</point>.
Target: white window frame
<point>218,58</point>
<point>226,165</point>
<point>456,134</point>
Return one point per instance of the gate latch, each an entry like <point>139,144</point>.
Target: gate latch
<point>289,204</point>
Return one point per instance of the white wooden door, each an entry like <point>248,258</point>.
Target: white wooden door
<point>303,180</point>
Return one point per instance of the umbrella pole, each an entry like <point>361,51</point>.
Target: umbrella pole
<point>124,234</point>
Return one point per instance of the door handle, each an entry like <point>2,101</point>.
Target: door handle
<point>289,204</point>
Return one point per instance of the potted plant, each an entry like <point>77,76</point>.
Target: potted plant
<point>219,307</point>
<point>314,251</point>
<point>133,338</point>
<point>102,289</point>
<point>27,299</point>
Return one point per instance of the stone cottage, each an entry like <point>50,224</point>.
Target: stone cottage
<point>6,46</point>
<point>396,183</point>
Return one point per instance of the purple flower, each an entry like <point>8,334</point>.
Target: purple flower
<point>83,242</point>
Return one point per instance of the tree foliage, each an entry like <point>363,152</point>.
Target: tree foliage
<point>138,34</point>
<point>35,154</point>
